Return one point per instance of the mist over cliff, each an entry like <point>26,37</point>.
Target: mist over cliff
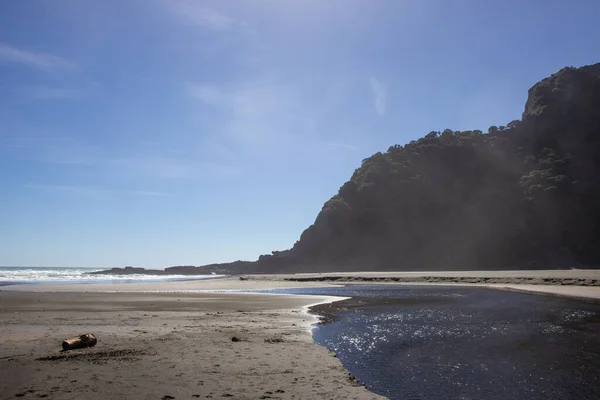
<point>521,196</point>
<point>524,195</point>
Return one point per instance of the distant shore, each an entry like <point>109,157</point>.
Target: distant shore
<point>541,277</point>
<point>576,283</point>
<point>581,283</point>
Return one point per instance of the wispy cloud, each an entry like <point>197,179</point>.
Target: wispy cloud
<point>91,190</point>
<point>146,193</point>
<point>41,61</point>
<point>157,167</point>
<point>55,148</point>
<point>49,93</point>
<point>150,162</point>
<point>337,145</point>
<point>211,94</point>
<point>219,171</point>
<point>174,168</point>
<point>379,96</point>
<point>270,118</point>
<point>255,114</point>
<point>195,13</point>
<point>250,99</point>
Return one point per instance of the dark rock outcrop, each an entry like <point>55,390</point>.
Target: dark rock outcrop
<point>522,196</point>
<point>128,271</point>
<point>211,268</point>
<point>228,268</point>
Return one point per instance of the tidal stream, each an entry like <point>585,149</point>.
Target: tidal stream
<point>449,342</point>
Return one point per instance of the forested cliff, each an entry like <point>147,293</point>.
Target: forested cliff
<point>521,196</point>
<point>524,195</point>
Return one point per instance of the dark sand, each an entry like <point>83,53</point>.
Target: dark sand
<point>166,346</point>
<point>158,342</point>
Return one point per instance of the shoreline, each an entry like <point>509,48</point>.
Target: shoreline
<point>578,293</point>
<point>172,328</point>
<point>231,284</point>
<point>574,283</point>
<point>578,284</point>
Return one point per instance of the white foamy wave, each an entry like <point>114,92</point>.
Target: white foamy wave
<point>13,275</point>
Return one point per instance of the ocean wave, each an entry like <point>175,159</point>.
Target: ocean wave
<point>40,275</point>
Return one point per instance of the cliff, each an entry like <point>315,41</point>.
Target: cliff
<point>521,196</point>
<point>524,195</point>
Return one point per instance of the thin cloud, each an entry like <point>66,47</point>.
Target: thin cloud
<point>49,93</point>
<point>41,61</point>
<point>91,190</point>
<point>379,96</point>
<point>219,171</point>
<point>55,149</point>
<point>157,167</point>
<point>256,115</point>
<point>65,188</point>
<point>340,145</point>
<point>171,168</point>
<point>193,12</point>
<point>149,160</point>
<point>210,94</point>
<point>146,193</point>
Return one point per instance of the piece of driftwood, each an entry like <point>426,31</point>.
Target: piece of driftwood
<point>82,341</point>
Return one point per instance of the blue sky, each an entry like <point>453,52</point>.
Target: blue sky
<point>165,132</point>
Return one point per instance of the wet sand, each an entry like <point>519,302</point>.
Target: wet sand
<point>192,286</point>
<point>577,283</point>
<point>578,292</point>
<point>166,346</point>
<point>581,283</point>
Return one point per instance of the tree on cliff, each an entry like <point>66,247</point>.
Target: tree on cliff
<point>519,195</point>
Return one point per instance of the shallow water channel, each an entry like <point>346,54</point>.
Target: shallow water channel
<point>449,342</point>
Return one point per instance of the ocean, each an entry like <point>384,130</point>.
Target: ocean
<point>51,275</point>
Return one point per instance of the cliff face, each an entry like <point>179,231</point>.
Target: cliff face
<point>522,196</point>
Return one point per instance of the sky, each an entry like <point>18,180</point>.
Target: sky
<point>179,132</point>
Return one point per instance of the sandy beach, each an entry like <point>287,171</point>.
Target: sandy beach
<point>173,340</point>
<point>576,283</point>
<point>166,346</point>
<point>191,286</point>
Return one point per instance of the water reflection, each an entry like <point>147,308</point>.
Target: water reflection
<point>409,342</point>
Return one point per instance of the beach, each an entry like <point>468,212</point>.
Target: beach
<point>575,283</point>
<point>173,340</point>
<point>166,346</point>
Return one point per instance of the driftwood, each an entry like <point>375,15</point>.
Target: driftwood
<point>82,341</point>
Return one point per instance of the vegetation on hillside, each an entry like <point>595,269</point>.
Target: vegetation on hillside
<point>519,196</point>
